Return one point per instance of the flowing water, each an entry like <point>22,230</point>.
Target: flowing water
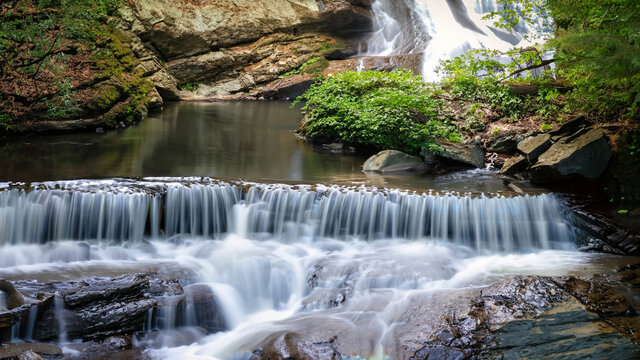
<point>284,249</point>
<point>441,30</point>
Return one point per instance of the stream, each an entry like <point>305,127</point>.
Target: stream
<point>289,238</point>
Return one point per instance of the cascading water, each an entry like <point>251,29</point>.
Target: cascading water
<point>440,29</point>
<point>285,213</point>
<point>280,257</point>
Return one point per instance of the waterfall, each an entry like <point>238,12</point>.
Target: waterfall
<point>285,213</point>
<point>441,29</point>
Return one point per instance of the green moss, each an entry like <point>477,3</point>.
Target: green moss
<point>106,96</point>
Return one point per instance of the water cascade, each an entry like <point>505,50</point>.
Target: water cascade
<point>440,29</point>
<point>261,259</point>
<point>282,212</point>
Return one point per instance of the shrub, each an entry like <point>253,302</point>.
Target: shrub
<point>380,110</point>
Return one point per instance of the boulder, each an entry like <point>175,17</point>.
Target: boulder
<point>533,146</point>
<point>466,154</point>
<point>514,165</point>
<point>585,154</point>
<point>390,161</point>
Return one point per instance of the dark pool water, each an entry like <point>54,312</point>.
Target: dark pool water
<point>253,141</point>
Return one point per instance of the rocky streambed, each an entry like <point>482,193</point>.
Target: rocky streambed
<point>522,317</point>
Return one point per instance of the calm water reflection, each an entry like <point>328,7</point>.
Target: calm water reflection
<point>253,141</point>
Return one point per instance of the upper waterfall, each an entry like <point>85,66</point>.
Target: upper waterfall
<point>440,29</point>
<point>279,212</point>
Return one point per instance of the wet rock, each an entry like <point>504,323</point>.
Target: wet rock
<point>12,297</point>
<point>393,161</point>
<point>95,308</point>
<point>532,147</point>
<point>15,350</point>
<point>514,165</point>
<point>585,155</point>
<point>466,154</point>
<point>294,346</point>
<point>201,304</point>
<point>442,353</point>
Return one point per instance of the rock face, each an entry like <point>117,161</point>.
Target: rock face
<point>390,161</point>
<point>585,154</point>
<point>470,155</point>
<point>222,48</point>
<point>97,308</point>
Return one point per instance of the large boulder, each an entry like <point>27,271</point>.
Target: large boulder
<point>585,154</point>
<point>390,161</point>
<point>465,154</point>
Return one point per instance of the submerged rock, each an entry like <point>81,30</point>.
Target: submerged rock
<point>390,161</point>
<point>583,155</point>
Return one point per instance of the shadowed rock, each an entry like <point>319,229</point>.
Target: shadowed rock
<point>583,155</point>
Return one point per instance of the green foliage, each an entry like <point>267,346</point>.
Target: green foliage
<point>5,121</point>
<point>395,110</point>
<point>623,212</point>
<point>189,86</point>
<point>64,105</point>
<point>545,127</point>
<point>597,50</point>
<point>308,67</point>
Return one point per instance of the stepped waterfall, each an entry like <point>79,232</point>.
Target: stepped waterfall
<point>273,255</point>
<point>283,213</point>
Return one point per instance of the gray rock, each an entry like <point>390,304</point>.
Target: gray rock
<point>505,144</point>
<point>533,146</point>
<point>585,155</point>
<point>166,85</point>
<point>14,350</point>
<point>514,165</point>
<point>390,161</point>
<point>467,154</point>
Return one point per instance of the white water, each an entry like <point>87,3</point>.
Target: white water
<point>312,260</point>
<point>289,214</point>
<point>440,29</point>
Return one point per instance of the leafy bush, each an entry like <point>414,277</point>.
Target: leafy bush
<point>395,110</point>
